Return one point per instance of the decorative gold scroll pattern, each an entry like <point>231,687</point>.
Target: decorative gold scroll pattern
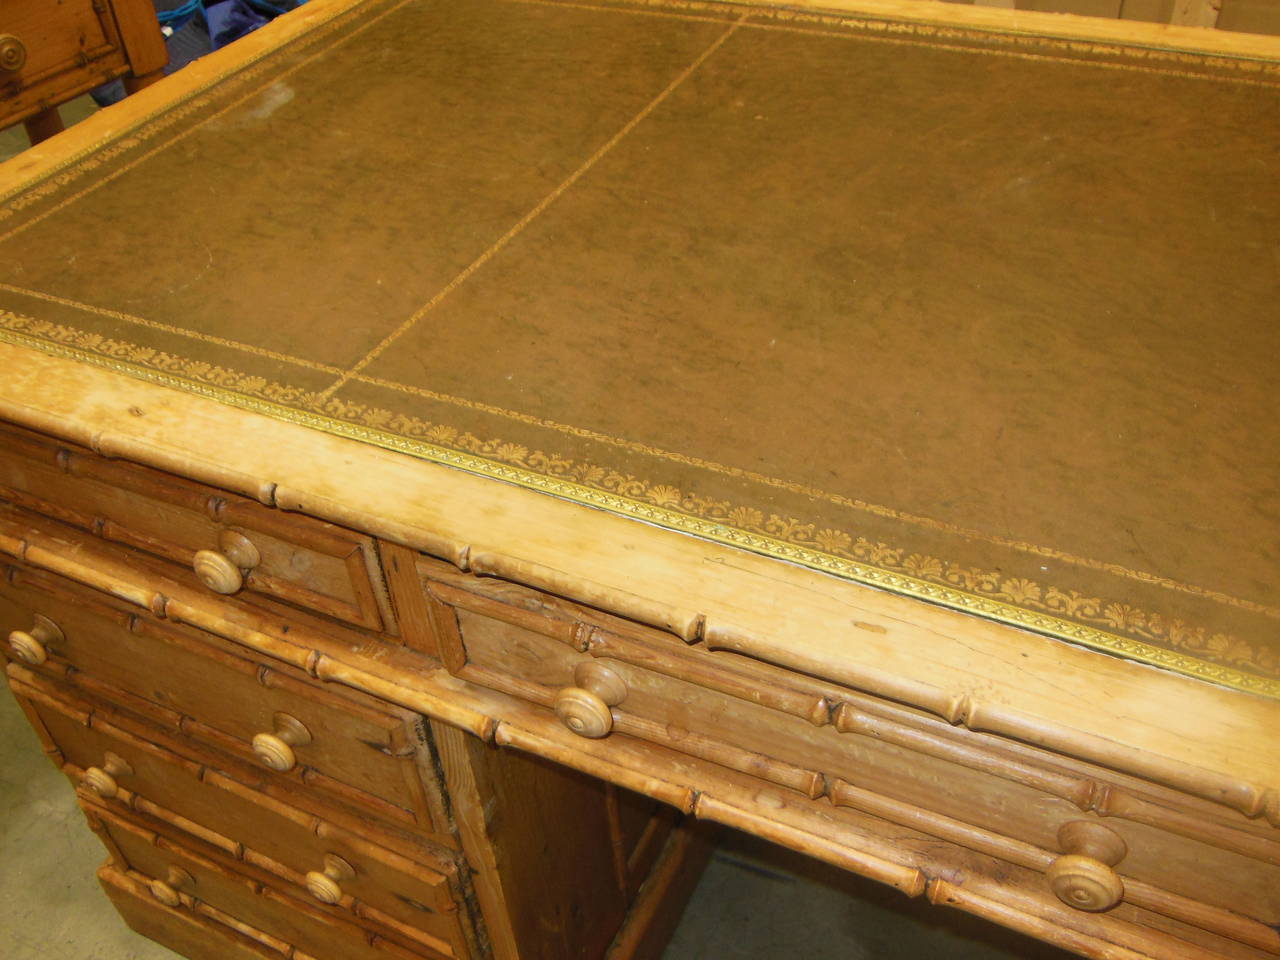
<point>1151,638</point>
<point>1001,42</point>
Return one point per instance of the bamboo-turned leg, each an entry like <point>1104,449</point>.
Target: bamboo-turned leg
<point>43,125</point>
<point>134,84</point>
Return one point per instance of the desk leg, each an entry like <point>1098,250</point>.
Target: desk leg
<point>134,84</point>
<point>43,125</point>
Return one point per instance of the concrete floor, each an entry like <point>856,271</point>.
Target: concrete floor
<point>755,901</point>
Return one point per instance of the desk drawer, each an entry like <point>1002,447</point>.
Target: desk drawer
<point>320,862</point>
<point>179,876</point>
<point>202,932</point>
<point>228,543</point>
<point>1002,799</point>
<point>340,743</point>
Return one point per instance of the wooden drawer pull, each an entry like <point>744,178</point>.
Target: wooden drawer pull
<point>1082,877</point>
<point>222,570</point>
<point>102,780</point>
<point>13,53</point>
<point>166,891</point>
<point>584,709</point>
<point>32,646</point>
<point>275,749</point>
<point>325,886</point>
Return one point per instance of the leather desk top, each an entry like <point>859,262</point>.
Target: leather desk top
<point>984,319</point>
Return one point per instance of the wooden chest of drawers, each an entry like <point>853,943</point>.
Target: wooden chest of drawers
<point>52,52</point>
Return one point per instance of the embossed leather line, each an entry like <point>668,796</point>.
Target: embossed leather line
<point>169,328</point>
<point>533,214</point>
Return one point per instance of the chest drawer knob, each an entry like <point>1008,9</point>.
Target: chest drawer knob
<point>32,646</point>
<point>222,570</point>
<point>326,885</point>
<point>275,749</point>
<point>166,890</point>
<point>102,780</point>
<point>1082,877</point>
<point>13,53</point>
<point>584,708</point>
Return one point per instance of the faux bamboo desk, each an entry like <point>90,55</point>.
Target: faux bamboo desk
<point>855,428</point>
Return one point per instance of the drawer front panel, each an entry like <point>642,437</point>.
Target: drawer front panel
<point>233,817</point>
<point>179,873</point>
<point>189,935</point>
<point>228,543</point>
<point>65,46</point>
<point>718,708</point>
<point>234,699</point>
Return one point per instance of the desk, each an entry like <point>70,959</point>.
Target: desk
<point>851,428</point>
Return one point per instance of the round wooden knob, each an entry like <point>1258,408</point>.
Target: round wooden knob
<point>32,647</point>
<point>275,749</point>
<point>217,572</point>
<point>326,886</point>
<point>584,708</point>
<point>584,713</point>
<point>13,53</point>
<point>102,780</point>
<point>166,891</point>
<point>1082,877</point>
<point>222,570</point>
<point>1085,883</point>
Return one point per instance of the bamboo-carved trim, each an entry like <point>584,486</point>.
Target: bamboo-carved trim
<point>981,717</point>
<point>720,677</point>
<point>508,735</point>
<point>1136,892</point>
<point>1088,794</point>
<point>910,880</point>
<point>807,782</point>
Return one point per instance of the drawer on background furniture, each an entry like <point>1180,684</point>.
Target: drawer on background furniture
<point>107,755</point>
<point>51,51</point>
<point>180,877</point>
<point>359,749</point>
<point>997,797</point>
<point>229,543</point>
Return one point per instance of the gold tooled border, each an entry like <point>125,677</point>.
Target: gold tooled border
<point>856,571</point>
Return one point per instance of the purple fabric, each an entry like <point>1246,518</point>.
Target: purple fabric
<point>230,20</point>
